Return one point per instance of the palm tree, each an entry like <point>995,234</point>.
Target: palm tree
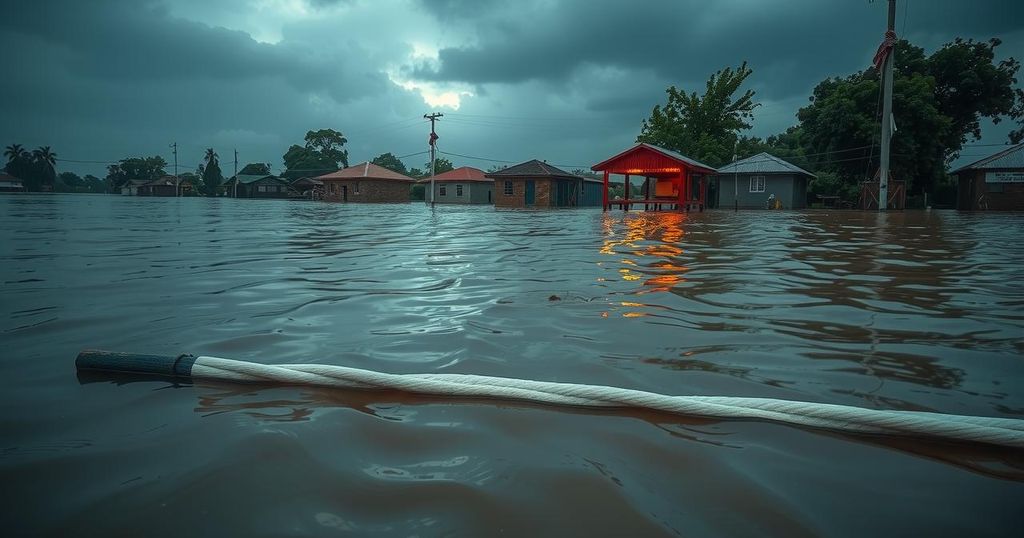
<point>47,160</point>
<point>14,151</point>
<point>211,156</point>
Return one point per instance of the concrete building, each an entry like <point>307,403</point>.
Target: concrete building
<point>9,183</point>
<point>366,183</point>
<point>755,179</point>
<point>465,185</point>
<point>995,182</point>
<point>538,184</point>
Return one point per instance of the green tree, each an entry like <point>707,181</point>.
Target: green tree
<point>441,165</point>
<point>19,165</point>
<point>69,182</point>
<point>93,184</point>
<point>211,174</point>
<point>938,103</point>
<point>416,173</point>
<point>703,127</point>
<point>142,168</point>
<point>43,171</point>
<point>389,161</point>
<point>255,169</point>
<point>322,154</point>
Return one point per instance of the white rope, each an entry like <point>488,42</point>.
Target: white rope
<point>997,431</point>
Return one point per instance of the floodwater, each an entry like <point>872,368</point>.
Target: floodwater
<point>916,310</point>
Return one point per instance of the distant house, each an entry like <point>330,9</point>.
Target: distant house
<point>257,186</point>
<point>131,187</point>
<point>466,185</point>
<point>9,183</point>
<point>995,182</point>
<point>755,179</point>
<point>308,187</point>
<point>165,186</point>
<point>366,182</point>
<point>538,184</point>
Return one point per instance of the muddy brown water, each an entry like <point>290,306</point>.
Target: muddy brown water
<point>916,310</point>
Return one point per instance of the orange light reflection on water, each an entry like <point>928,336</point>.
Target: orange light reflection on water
<point>624,237</point>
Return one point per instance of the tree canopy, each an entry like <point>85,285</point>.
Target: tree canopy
<point>37,169</point>
<point>321,154</point>
<point>441,165</point>
<point>389,161</point>
<point>144,168</point>
<point>255,169</point>
<point>704,127</point>
<point>211,174</point>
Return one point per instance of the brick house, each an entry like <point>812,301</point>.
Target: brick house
<point>367,183</point>
<point>538,184</point>
<point>465,185</point>
<point>995,182</point>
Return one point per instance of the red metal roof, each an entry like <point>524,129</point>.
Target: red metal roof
<point>650,160</point>
<point>464,174</point>
<point>365,170</point>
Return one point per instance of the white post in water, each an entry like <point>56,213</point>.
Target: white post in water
<point>883,172</point>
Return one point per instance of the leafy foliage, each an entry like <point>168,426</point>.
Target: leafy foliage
<point>144,168</point>
<point>389,161</point>
<point>211,174</point>
<point>441,165</point>
<point>322,154</point>
<point>255,169</point>
<point>703,127</point>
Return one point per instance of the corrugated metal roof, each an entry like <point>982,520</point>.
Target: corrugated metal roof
<point>365,170</point>
<point>763,163</point>
<point>674,155</point>
<point>532,168</point>
<point>1012,157</point>
<point>246,179</point>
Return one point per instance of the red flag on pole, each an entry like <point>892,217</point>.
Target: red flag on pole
<point>433,138</point>
<point>883,50</point>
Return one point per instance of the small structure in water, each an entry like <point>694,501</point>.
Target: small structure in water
<point>9,183</point>
<point>750,183</point>
<point>308,187</point>
<point>995,182</point>
<point>257,186</point>
<point>679,181</point>
<point>465,185</point>
<point>539,184</point>
<point>168,186</point>
<point>366,182</point>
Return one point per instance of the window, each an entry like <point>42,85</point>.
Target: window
<point>261,188</point>
<point>458,190</point>
<point>443,190</point>
<point>756,183</point>
<point>508,188</point>
<point>357,187</point>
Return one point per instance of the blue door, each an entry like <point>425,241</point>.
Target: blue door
<point>530,192</point>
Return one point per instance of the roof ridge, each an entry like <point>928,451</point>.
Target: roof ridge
<point>998,155</point>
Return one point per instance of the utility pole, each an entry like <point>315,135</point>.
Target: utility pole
<point>883,172</point>
<point>433,146</point>
<point>235,195</point>
<point>177,182</point>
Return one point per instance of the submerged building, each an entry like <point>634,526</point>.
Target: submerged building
<point>678,181</point>
<point>257,186</point>
<point>465,185</point>
<point>366,183</point>
<point>995,182</point>
<point>538,184</point>
<point>750,183</point>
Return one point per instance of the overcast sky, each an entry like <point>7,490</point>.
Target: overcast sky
<point>568,82</point>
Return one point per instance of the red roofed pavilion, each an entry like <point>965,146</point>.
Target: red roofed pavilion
<point>679,180</point>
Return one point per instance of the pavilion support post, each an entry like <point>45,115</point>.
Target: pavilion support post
<point>645,191</point>
<point>604,195</point>
<point>625,194</point>
<point>703,194</point>
<point>681,195</point>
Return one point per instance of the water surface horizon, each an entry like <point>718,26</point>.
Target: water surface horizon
<point>905,310</point>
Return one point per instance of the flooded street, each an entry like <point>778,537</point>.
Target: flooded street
<point>915,310</point>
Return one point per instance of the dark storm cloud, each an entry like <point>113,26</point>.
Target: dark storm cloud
<point>790,45</point>
<point>132,42</point>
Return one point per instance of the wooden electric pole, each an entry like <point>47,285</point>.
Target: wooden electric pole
<point>890,58</point>
<point>433,147</point>
<point>235,194</point>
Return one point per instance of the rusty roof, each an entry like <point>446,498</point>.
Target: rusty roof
<point>365,170</point>
<point>464,174</point>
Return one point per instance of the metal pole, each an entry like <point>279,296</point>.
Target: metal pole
<point>735,185</point>
<point>883,173</point>
<point>235,187</point>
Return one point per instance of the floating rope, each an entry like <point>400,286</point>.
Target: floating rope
<point>995,431</point>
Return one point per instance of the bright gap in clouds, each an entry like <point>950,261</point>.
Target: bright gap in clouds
<point>433,94</point>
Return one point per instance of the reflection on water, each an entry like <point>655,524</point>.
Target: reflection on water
<point>899,311</point>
